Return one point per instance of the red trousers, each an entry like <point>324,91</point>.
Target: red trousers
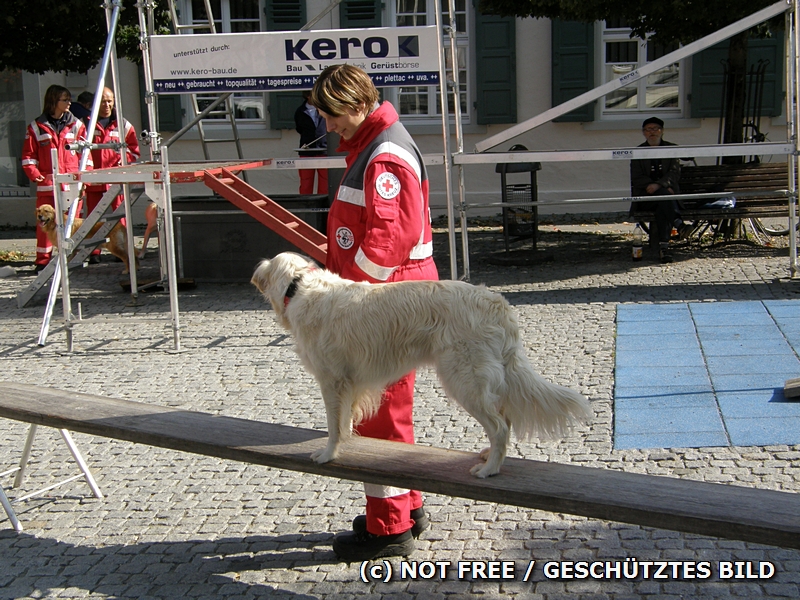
<point>307,181</point>
<point>388,507</point>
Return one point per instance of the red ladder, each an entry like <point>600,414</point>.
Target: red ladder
<point>260,207</point>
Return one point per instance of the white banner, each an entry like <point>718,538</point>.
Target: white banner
<point>291,60</point>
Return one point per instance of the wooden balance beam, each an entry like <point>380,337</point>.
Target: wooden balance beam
<point>727,511</point>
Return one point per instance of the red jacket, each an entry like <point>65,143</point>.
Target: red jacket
<point>379,224</point>
<point>106,157</point>
<point>40,137</point>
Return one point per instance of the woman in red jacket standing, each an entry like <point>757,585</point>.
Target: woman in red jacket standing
<point>107,130</point>
<point>379,231</point>
<point>56,127</point>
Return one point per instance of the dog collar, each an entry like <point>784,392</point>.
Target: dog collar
<point>291,291</point>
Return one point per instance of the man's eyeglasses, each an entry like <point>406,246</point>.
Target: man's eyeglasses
<point>651,129</point>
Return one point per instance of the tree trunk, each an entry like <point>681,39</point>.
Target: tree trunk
<point>735,96</point>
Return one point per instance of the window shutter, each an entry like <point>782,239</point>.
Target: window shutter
<point>707,73</point>
<point>573,66</point>
<point>496,69</point>
<point>170,111</point>
<point>284,15</point>
<point>360,13</point>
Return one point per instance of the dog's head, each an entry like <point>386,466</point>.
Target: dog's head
<point>274,277</point>
<point>46,216</point>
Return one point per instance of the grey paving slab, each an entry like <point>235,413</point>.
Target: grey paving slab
<point>176,525</point>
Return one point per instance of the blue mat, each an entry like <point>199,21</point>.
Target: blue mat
<point>706,374</point>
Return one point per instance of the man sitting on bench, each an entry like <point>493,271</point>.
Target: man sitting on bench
<point>658,177</point>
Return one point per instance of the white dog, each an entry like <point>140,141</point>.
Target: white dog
<point>357,338</point>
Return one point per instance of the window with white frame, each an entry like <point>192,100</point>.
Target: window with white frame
<point>231,16</point>
<point>420,103</point>
<point>657,93</point>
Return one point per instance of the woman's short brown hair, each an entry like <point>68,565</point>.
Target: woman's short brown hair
<point>52,96</point>
<point>340,87</point>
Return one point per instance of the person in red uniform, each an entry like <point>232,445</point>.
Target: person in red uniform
<point>379,231</point>
<point>311,127</point>
<point>55,128</point>
<point>107,131</point>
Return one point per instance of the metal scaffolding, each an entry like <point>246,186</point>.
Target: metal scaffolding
<point>459,159</point>
<point>791,149</point>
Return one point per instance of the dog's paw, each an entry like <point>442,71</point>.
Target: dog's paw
<point>324,455</point>
<point>483,470</point>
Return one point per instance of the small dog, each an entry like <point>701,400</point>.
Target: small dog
<point>357,338</point>
<point>117,243</point>
<point>151,215</point>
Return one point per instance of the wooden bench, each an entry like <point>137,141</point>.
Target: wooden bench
<point>760,190</point>
<point>727,511</point>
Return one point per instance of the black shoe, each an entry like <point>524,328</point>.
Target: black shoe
<point>352,546</point>
<point>94,259</point>
<point>421,522</point>
<point>39,268</point>
<point>665,256</point>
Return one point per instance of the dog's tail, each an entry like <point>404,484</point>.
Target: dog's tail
<point>536,407</point>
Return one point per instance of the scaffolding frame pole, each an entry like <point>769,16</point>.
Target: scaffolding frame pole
<point>110,7</point>
<point>448,161</point>
<point>792,123</point>
<point>60,272</point>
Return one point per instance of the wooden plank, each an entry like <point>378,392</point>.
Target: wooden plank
<point>753,515</point>
<point>791,389</point>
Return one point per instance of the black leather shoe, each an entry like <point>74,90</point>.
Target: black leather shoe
<point>665,256</point>
<point>421,522</point>
<point>94,259</point>
<point>352,546</point>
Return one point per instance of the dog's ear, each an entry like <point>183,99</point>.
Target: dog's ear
<point>260,277</point>
<point>273,279</point>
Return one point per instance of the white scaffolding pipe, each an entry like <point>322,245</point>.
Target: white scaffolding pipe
<point>625,80</point>
<point>115,6</point>
<point>792,123</point>
<point>448,173</point>
<point>638,152</point>
<point>790,149</point>
<point>146,29</point>
<point>64,230</point>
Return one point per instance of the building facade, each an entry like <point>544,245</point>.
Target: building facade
<point>510,70</point>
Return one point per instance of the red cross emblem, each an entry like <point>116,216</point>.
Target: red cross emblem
<point>387,185</point>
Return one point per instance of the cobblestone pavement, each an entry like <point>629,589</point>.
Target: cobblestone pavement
<point>176,525</point>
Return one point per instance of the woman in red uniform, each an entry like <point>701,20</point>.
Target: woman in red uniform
<point>54,128</point>
<point>379,231</point>
<point>107,130</point>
